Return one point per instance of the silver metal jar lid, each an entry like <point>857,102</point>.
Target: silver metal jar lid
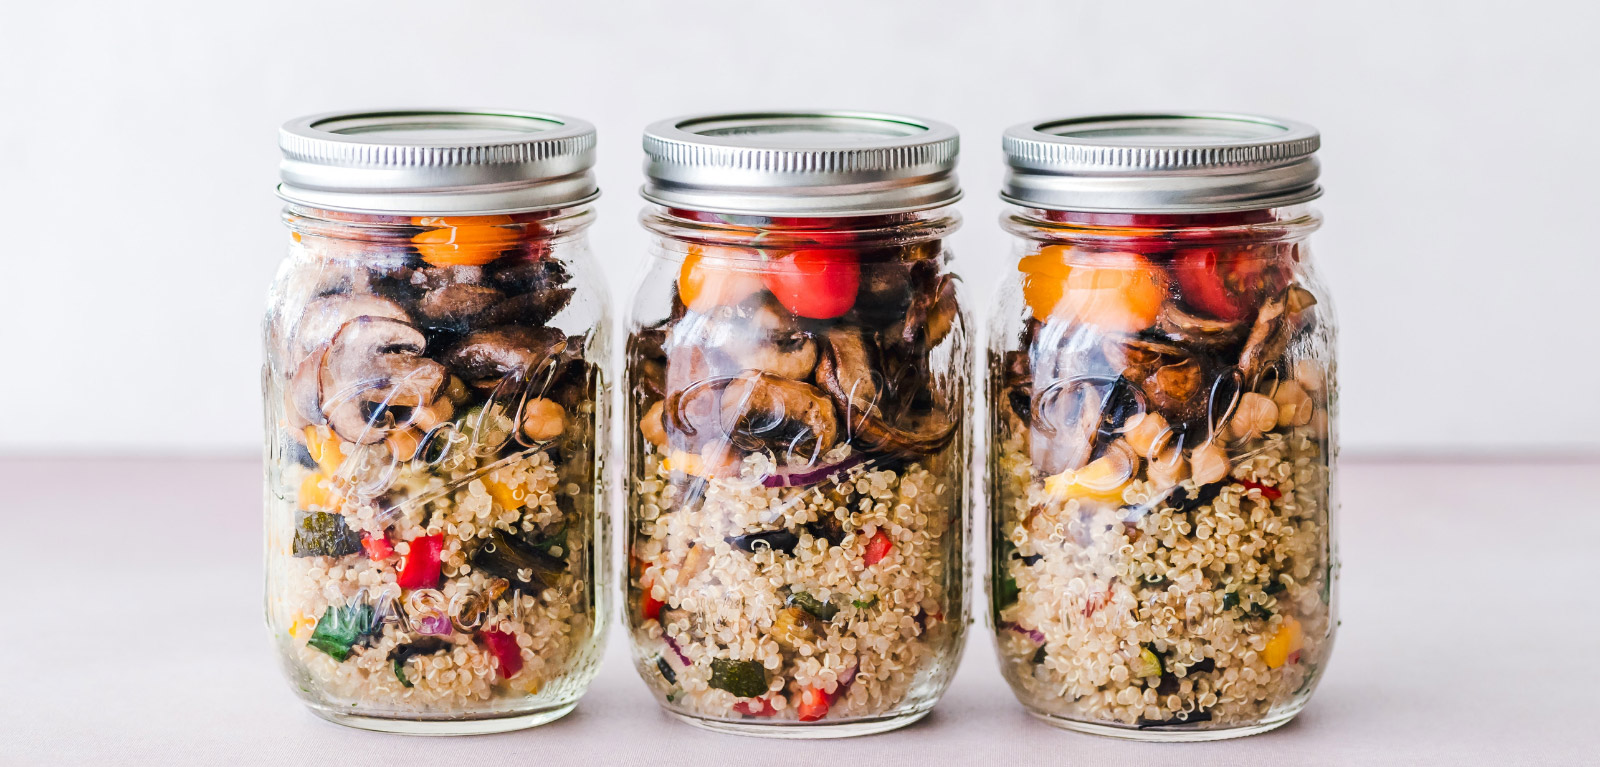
<point>1196,162</point>
<point>801,163</point>
<point>437,161</point>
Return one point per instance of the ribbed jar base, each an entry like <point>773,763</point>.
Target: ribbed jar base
<point>457,726</point>
<point>806,730</point>
<point>1191,733</point>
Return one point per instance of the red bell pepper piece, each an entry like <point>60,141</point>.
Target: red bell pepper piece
<point>420,568</point>
<point>1269,493</point>
<point>755,707</point>
<point>878,548</point>
<point>649,606</point>
<point>813,704</point>
<point>503,647</point>
<point>377,548</point>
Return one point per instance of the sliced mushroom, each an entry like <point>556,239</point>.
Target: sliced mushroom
<point>769,340</point>
<point>374,376</point>
<point>455,306</point>
<point>760,411</point>
<point>1269,336</point>
<point>691,413</point>
<point>323,317</point>
<point>1176,390</point>
<point>487,357</point>
<point>847,370</point>
<point>533,308</point>
<point>1193,330</point>
<point>931,315</point>
<point>304,405</point>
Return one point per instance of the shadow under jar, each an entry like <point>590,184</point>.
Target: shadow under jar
<point>1161,388</point>
<point>436,421</point>
<point>798,373</point>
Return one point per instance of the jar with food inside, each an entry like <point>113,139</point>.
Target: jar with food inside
<point>1161,470</point>
<point>435,408</point>
<point>797,469</point>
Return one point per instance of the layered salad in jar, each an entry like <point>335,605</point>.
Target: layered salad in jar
<point>432,522</point>
<point>1160,481</point>
<point>796,500</point>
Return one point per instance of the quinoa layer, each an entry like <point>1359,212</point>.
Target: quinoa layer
<point>1205,606</point>
<point>860,615</point>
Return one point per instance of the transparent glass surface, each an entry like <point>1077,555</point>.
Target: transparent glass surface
<point>436,432</point>
<point>798,442</point>
<point>1161,466</point>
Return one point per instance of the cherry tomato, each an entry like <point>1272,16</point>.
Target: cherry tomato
<point>712,277</point>
<point>819,284</point>
<point>877,548</point>
<point>1118,292</point>
<point>649,606</point>
<point>1227,286</point>
<point>465,240</point>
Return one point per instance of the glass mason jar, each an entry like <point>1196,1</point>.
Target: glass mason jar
<point>436,421</point>
<point>1162,399</point>
<point>797,425</point>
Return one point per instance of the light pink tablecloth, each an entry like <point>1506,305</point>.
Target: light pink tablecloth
<point>132,634</point>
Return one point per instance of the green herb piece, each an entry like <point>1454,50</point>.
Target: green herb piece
<point>1038,655</point>
<point>1273,587</point>
<point>400,673</point>
<point>340,628</point>
<point>744,678</point>
<point>1260,611</point>
<point>323,534</point>
<point>862,604</point>
<point>1230,600</point>
<point>804,601</point>
<point>1148,664</point>
<point>666,670</point>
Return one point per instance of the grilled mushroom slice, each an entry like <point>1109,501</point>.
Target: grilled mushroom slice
<point>324,316</point>
<point>373,375</point>
<point>456,305</point>
<point>1184,328</point>
<point>770,341</point>
<point>486,357</point>
<point>1269,335</point>
<point>848,371</point>
<point>761,411</point>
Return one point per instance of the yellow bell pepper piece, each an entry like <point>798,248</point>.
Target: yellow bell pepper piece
<point>1289,639</point>
<point>508,497</point>
<point>314,493</point>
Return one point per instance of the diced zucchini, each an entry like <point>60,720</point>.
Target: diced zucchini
<point>744,678</point>
<point>324,534</point>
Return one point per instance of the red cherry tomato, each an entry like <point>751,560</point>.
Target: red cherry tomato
<point>819,284</point>
<point>1227,286</point>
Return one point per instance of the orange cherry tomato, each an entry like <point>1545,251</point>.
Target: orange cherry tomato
<point>712,277</point>
<point>465,240</point>
<point>813,704</point>
<point>1118,292</point>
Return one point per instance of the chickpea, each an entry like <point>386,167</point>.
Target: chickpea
<point>652,426</point>
<point>1169,468</point>
<point>403,443</point>
<point>1294,404</point>
<point>429,416</point>
<point>543,420</point>
<point>1145,433</point>
<point>1255,416</point>
<point>1209,463</point>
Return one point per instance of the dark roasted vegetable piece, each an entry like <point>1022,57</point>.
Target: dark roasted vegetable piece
<point>1193,718</point>
<point>1230,600</point>
<point>804,601</point>
<point>324,534</point>
<point>666,670</point>
<point>777,540</point>
<point>340,628</point>
<point>1207,664</point>
<point>1183,503</point>
<point>526,567</point>
<point>1039,655</point>
<point>744,678</point>
<point>427,645</point>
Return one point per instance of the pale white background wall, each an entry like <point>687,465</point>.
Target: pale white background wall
<point>140,229</point>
